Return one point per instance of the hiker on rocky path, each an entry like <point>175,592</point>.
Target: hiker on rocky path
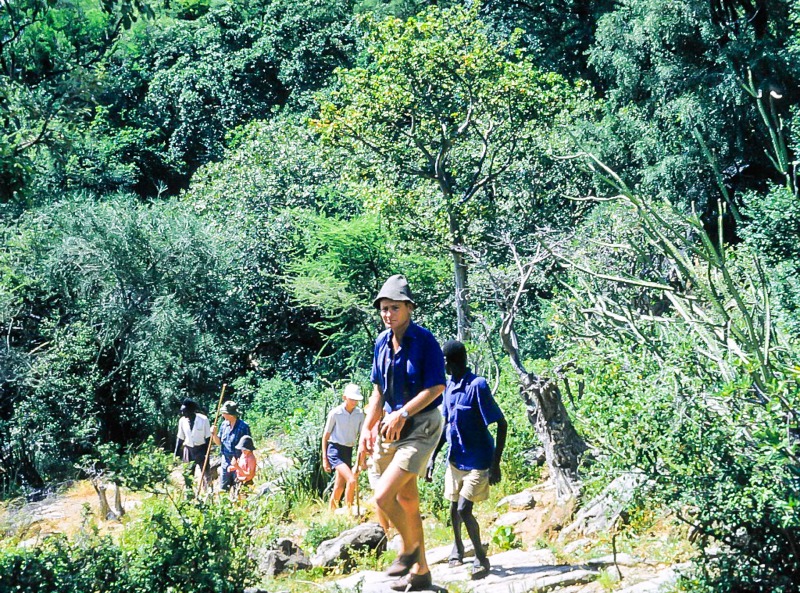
<point>339,437</point>
<point>473,459</point>
<point>408,374</point>
<point>194,434</point>
<point>230,433</point>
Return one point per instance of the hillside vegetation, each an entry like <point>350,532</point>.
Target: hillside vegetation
<point>600,198</point>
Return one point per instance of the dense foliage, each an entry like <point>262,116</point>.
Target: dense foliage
<point>203,192</point>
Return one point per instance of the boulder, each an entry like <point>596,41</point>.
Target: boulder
<point>601,513</point>
<point>518,502</point>
<point>286,555</point>
<point>510,519</point>
<point>368,536</point>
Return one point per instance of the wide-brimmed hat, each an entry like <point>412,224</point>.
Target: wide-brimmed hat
<point>353,391</point>
<point>246,442</point>
<point>231,408</point>
<point>396,289</point>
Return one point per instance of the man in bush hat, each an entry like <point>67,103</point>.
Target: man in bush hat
<point>339,437</point>
<point>408,375</point>
<point>231,432</point>
<point>194,434</point>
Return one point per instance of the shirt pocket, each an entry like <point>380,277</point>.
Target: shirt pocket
<point>414,373</point>
<point>461,412</point>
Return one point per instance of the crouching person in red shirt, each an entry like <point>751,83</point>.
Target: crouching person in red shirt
<point>245,465</point>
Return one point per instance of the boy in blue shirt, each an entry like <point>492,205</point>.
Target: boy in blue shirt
<point>473,460</point>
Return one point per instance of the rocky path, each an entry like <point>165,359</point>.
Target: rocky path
<point>519,571</point>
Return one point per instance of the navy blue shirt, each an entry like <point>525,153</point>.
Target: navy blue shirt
<point>416,366</point>
<point>230,438</point>
<point>469,409</point>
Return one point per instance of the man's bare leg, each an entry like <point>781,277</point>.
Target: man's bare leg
<point>397,496</point>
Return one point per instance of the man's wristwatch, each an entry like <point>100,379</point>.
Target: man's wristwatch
<point>404,413</point>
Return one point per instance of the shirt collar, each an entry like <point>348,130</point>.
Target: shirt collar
<point>465,380</point>
<point>412,331</point>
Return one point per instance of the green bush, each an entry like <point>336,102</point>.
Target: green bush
<point>185,547</point>
<point>319,532</point>
<point>715,456</point>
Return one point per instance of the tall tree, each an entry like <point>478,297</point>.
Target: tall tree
<point>49,50</point>
<point>441,104</point>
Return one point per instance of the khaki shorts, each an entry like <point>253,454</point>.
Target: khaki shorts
<point>372,474</point>
<point>412,452</point>
<point>471,484</point>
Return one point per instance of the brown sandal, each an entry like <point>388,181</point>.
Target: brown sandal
<point>403,563</point>
<point>413,582</point>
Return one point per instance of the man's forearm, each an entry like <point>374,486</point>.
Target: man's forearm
<point>439,446</point>
<point>325,437</point>
<point>373,410</point>
<point>423,398</point>
<point>500,445</point>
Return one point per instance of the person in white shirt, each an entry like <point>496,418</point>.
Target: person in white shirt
<point>194,434</point>
<point>339,438</point>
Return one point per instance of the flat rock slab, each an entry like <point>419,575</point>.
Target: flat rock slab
<point>519,571</point>
<point>564,576</point>
<point>623,559</point>
<point>663,581</point>
<point>512,518</point>
<point>371,581</point>
<point>518,502</point>
<point>515,571</point>
<point>442,553</point>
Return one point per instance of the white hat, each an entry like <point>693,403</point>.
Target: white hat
<point>353,391</point>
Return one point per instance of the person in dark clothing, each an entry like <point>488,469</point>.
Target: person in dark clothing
<point>194,434</point>
<point>473,459</point>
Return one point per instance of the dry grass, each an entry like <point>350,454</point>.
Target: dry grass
<point>63,513</point>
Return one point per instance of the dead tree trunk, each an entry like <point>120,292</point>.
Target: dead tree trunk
<point>119,510</point>
<point>563,445</point>
<point>100,488</point>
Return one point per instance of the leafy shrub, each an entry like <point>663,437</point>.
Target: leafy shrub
<point>504,538</point>
<point>720,459</point>
<point>319,532</point>
<point>126,309</point>
<point>183,547</point>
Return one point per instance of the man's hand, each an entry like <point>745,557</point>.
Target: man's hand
<point>494,474</point>
<point>326,466</point>
<point>392,426</point>
<point>366,444</point>
<point>429,471</point>
<point>361,461</point>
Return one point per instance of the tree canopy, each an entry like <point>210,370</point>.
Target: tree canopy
<point>600,198</point>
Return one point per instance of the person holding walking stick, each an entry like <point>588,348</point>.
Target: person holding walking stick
<point>230,433</point>
<point>408,374</point>
<point>194,435</point>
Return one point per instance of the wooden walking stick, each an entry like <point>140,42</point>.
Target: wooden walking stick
<point>358,500</point>
<point>208,449</point>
